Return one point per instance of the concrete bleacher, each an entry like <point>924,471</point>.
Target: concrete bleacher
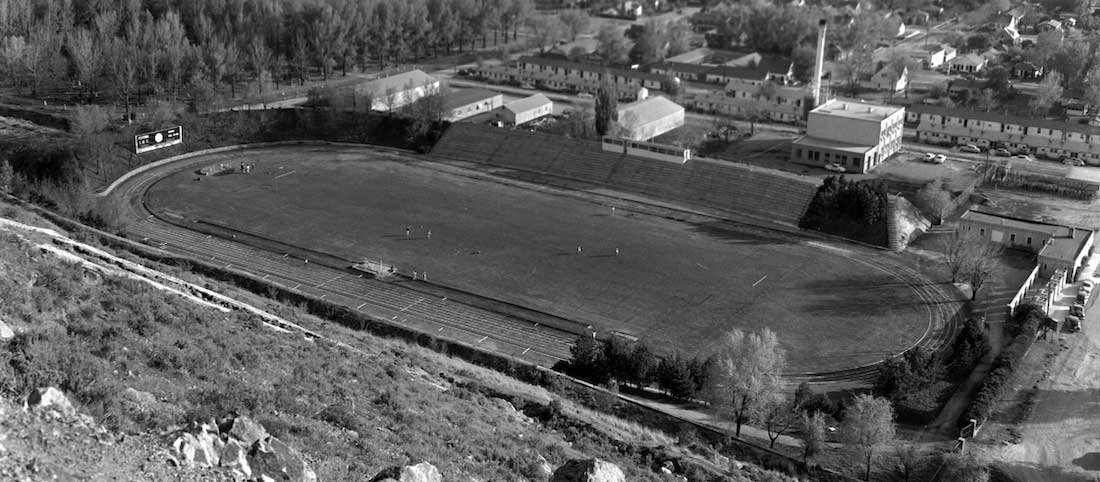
<point>730,187</point>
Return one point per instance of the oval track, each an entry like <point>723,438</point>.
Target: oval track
<point>478,327</point>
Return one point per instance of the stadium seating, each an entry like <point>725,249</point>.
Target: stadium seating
<point>708,183</point>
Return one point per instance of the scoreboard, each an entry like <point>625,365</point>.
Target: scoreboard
<point>157,139</point>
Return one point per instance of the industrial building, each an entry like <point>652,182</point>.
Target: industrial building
<point>1056,246</point>
<point>396,91</point>
<point>525,110</point>
<point>856,135</point>
<point>649,118</point>
<point>461,104</point>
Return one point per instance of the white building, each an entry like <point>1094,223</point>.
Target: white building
<point>461,104</point>
<point>649,118</point>
<point>888,79</point>
<point>525,110</point>
<point>856,135</point>
<point>396,91</point>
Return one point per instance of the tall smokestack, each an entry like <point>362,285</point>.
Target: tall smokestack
<point>814,98</point>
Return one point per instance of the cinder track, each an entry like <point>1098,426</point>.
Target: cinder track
<point>489,330</point>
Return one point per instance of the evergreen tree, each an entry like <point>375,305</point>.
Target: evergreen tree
<point>607,107</point>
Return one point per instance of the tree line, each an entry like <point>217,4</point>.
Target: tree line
<point>123,49</point>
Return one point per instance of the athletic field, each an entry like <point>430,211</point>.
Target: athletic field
<point>675,284</point>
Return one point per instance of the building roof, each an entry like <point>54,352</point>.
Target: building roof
<point>569,64</point>
<point>1006,119</point>
<point>1051,23</point>
<point>1065,242</point>
<point>400,82</point>
<point>807,141</point>
<point>459,98</point>
<point>649,110</point>
<point>972,59</point>
<point>527,103</point>
<point>856,110</point>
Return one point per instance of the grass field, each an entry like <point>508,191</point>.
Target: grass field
<point>676,284</point>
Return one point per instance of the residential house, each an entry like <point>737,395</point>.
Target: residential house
<point>1009,36</point>
<point>888,79</point>
<point>1049,25</point>
<point>934,55</point>
<point>1026,70</point>
<point>569,76</point>
<point>967,63</point>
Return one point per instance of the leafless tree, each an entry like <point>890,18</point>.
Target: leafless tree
<point>868,426</point>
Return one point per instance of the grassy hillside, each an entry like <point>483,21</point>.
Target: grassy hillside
<point>352,410</point>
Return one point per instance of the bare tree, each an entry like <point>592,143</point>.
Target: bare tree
<point>575,21</point>
<point>909,457</point>
<point>611,46</point>
<point>868,426</point>
<point>1049,91</point>
<point>957,249</point>
<point>981,263</point>
<point>934,199</point>
<point>86,57</point>
<point>778,414</point>
<point>747,374</point>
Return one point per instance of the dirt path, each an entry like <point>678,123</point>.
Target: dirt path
<point>1058,437</point>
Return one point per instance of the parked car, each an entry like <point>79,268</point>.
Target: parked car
<point>1077,310</point>
<point>939,159</point>
<point>1088,282</point>
<point>970,148</point>
<point>1073,162</point>
<point>1000,151</point>
<point>835,167</point>
<point>1022,157</point>
<point>1082,296</point>
<point>1073,324</point>
<point>585,95</point>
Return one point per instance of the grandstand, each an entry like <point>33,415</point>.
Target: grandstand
<point>728,187</point>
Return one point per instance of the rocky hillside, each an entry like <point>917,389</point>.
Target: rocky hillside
<point>155,386</point>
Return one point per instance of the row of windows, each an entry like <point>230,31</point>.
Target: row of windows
<point>1011,236</point>
<point>1003,127</point>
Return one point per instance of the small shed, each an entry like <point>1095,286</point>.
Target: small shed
<point>527,109</point>
<point>470,102</point>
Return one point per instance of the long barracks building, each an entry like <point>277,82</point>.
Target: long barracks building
<point>1045,138</point>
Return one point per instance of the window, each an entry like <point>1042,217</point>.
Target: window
<point>1012,238</point>
<point>1029,240</point>
<point>981,231</point>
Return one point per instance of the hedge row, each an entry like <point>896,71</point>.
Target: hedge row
<point>1067,188</point>
<point>1029,319</point>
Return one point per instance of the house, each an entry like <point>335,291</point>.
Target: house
<point>967,63</point>
<point>527,109</point>
<point>1056,247</point>
<point>396,91</point>
<point>888,79</point>
<point>1010,36</point>
<point>934,55</point>
<point>1075,107</point>
<point>1050,25</point>
<point>965,88</point>
<point>649,118</point>
<point>461,104</point>
<point>1026,70</point>
<point>857,135</point>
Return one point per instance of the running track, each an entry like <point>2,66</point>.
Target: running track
<point>488,330</point>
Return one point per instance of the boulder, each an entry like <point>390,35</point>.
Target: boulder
<point>588,470</point>
<point>422,472</point>
<point>246,430</point>
<point>234,456</point>
<point>52,399</point>
<point>272,458</point>
<point>6,332</point>
<point>139,398</point>
<point>202,449</point>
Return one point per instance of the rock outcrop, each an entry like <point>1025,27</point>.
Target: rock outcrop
<point>6,332</point>
<point>243,447</point>
<point>50,398</point>
<point>422,472</point>
<point>588,470</point>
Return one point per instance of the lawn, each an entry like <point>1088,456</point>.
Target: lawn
<point>676,284</point>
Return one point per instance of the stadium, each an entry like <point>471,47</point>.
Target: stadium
<point>565,256</point>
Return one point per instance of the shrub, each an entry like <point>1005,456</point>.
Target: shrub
<point>1029,317</point>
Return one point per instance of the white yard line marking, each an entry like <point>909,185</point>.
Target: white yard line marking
<point>486,337</point>
<point>299,285</point>
<point>701,266</point>
<point>826,246</point>
<point>265,276</point>
<point>285,174</point>
<point>759,280</point>
<point>360,305</point>
<point>525,351</point>
<point>411,305</point>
